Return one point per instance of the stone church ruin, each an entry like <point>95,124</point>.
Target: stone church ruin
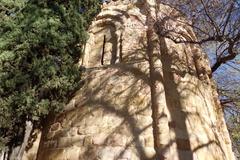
<point>144,96</point>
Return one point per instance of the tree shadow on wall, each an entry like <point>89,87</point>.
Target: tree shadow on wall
<point>111,112</point>
<point>100,101</point>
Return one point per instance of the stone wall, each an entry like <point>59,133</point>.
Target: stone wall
<point>111,118</point>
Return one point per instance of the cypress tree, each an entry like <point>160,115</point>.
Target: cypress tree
<point>40,44</point>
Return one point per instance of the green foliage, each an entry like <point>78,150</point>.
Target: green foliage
<point>40,44</point>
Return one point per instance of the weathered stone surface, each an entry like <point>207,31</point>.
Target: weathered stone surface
<point>111,118</point>
<point>73,131</point>
<point>117,140</point>
<point>64,142</point>
<point>55,127</point>
<point>87,141</point>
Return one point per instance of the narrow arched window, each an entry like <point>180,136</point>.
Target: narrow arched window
<point>120,48</point>
<point>103,50</point>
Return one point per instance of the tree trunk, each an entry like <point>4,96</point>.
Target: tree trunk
<point>17,152</point>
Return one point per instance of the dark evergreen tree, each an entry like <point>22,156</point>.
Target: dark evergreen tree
<point>40,45</point>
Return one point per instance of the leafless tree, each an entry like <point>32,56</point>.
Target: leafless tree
<point>216,23</point>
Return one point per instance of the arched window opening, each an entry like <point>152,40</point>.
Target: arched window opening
<point>103,50</point>
<point>120,48</point>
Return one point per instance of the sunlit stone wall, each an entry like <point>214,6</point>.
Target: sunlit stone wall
<point>110,117</point>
